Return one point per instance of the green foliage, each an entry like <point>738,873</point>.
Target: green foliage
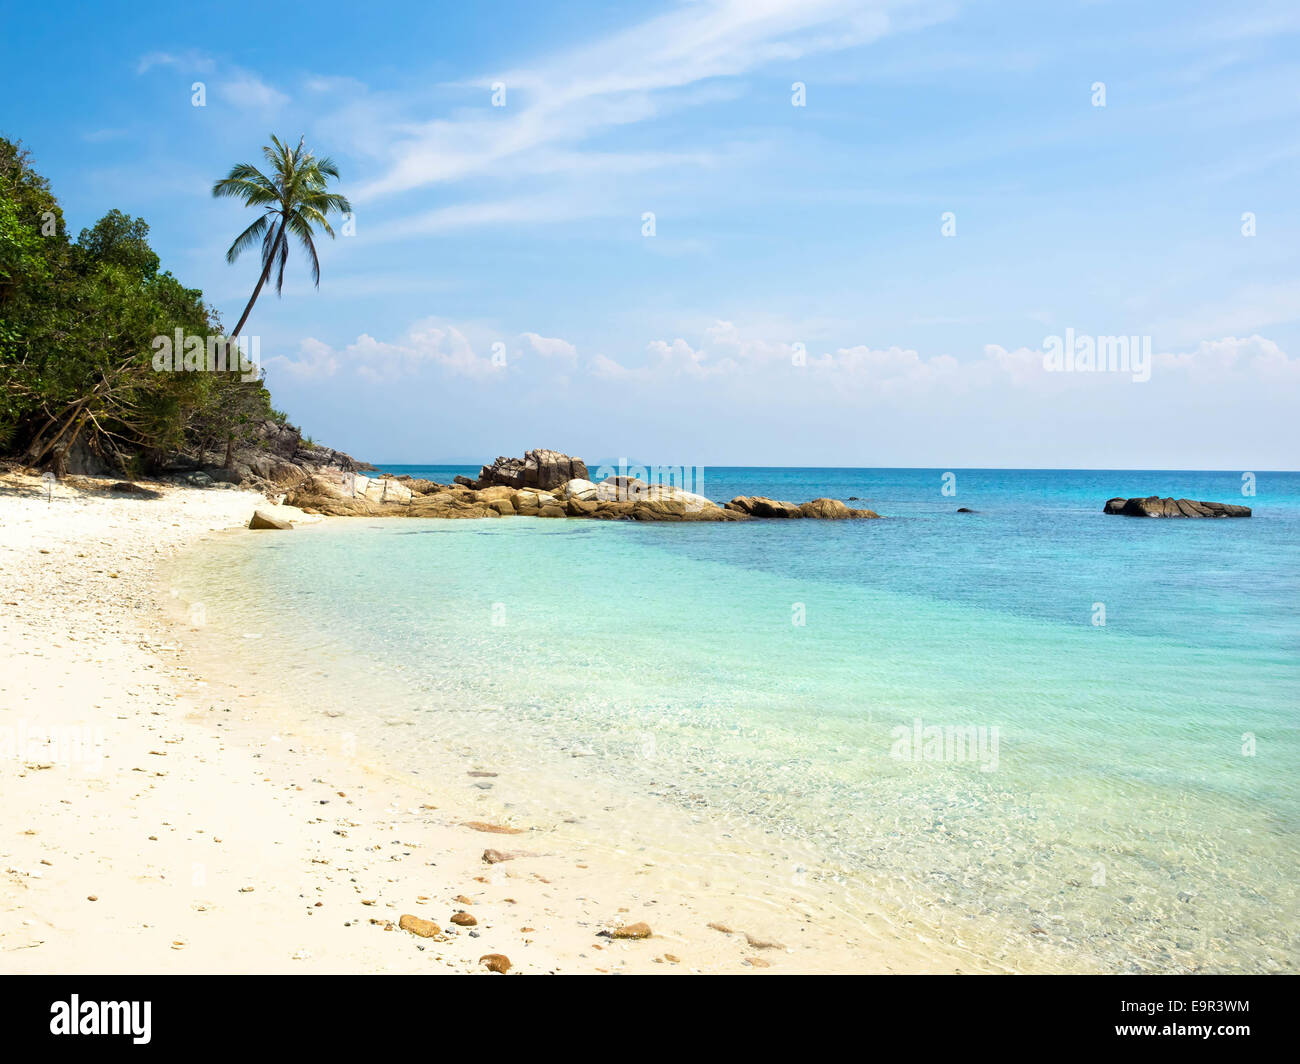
<point>117,239</point>
<point>78,323</point>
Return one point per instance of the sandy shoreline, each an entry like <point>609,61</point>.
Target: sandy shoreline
<point>217,834</point>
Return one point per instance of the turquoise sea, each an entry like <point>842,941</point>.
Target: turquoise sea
<point>1126,793</point>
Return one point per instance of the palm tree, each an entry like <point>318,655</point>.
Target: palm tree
<point>293,200</point>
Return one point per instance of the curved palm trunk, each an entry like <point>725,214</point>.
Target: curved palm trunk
<point>229,463</point>
<point>266,272</point>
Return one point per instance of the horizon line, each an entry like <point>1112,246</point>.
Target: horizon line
<point>1000,469</point>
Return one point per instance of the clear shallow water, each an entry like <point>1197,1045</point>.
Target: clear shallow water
<point>1121,826</point>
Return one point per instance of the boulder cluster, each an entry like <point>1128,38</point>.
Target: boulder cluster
<point>1154,506</point>
<point>541,484</point>
<point>275,457</point>
<point>540,468</point>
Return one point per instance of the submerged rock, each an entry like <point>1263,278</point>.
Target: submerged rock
<point>1154,506</point>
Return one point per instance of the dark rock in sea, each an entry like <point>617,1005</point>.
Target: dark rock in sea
<point>1154,506</point>
<point>966,510</point>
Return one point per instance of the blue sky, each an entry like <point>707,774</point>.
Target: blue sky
<point>798,302</point>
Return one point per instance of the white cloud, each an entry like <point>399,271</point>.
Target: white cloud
<point>241,88</point>
<point>1216,404</point>
<point>551,348</point>
<point>249,92</point>
<point>428,343</point>
<point>316,360</point>
<point>733,360</point>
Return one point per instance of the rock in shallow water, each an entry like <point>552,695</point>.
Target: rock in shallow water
<point>1154,506</point>
<point>825,509</point>
<point>265,519</point>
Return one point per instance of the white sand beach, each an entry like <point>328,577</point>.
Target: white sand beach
<point>159,820</point>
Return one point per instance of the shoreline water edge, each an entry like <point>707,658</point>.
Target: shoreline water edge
<point>196,825</point>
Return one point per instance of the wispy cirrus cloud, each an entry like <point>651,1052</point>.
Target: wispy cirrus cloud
<point>517,210</point>
<point>241,88</point>
<point>188,60</point>
<point>636,75</point>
